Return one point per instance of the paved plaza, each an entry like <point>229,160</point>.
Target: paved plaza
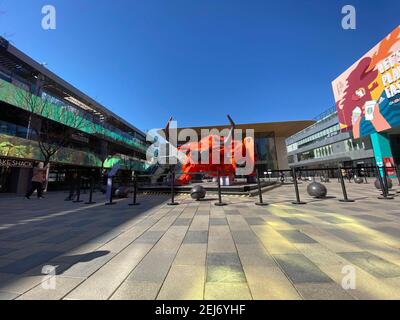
<point>199,251</point>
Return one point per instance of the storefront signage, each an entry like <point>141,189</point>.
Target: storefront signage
<point>11,163</point>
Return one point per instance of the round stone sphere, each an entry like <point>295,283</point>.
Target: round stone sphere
<point>378,184</point>
<point>317,190</point>
<point>122,192</point>
<point>198,192</point>
<point>358,179</point>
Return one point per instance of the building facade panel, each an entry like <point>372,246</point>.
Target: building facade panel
<point>32,98</point>
<point>324,145</point>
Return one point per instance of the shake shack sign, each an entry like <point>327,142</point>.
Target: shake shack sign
<point>12,163</point>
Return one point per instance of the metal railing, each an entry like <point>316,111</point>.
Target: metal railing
<point>126,186</point>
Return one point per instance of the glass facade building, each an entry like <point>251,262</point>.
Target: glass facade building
<point>266,154</point>
<point>31,96</point>
<point>323,145</point>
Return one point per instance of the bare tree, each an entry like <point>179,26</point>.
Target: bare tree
<point>45,118</point>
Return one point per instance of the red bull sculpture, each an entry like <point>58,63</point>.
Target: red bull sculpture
<point>215,155</point>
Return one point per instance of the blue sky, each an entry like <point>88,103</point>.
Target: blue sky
<point>198,60</point>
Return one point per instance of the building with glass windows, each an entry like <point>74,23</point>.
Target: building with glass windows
<point>33,97</point>
<point>322,145</point>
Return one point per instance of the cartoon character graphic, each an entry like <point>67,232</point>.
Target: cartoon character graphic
<point>361,100</point>
<point>357,101</point>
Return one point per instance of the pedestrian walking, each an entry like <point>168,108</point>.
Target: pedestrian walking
<point>38,180</point>
<point>350,175</point>
<point>282,176</point>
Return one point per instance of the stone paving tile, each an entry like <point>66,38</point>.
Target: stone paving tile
<point>59,268</point>
<point>218,245</point>
<point>346,235</point>
<point>88,264</point>
<point>137,290</point>
<point>27,263</point>
<point>232,212</point>
<point>196,237</point>
<point>371,218</point>
<point>182,222</point>
<point>103,283</point>
<point>372,264</point>
<point>202,213</point>
<point>226,291</point>
<point>82,223</point>
<point>100,236</point>
<point>7,295</point>
<point>150,237</point>
<point>255,255</point>
<point>323,291</point>
<point>62,237</point>
<point>191,254</point>
<point>224,267</point>
<point>4,251</point>
<point>300,269</point>
<point>18,284</point>
<point>295,236</point>
<point>223,259</point>
<point>218,221</point>
<point>244,237</point>
<point>269,282</point>
<point>63,285</point>
<point>54,222</point>
<point>255,221</point>
<point>250,257</point>
<point>153,268</point>
<point>294,221</point>
<point>183,283</point>
<point>23,235</point>
<point>333,220</point>
<point>395,232</point>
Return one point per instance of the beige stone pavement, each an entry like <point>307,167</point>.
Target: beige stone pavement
<point>200,251</point>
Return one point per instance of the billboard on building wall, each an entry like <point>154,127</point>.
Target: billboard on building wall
<point>45,107</point>
<point>367,95</point>
<point>15,147</point>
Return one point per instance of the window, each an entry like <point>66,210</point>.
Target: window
<point>326,133</point>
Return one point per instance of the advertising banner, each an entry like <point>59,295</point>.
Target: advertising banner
<point>367,95</point>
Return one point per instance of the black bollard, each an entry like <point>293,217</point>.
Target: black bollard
<point>385,193</point>
<point>78,191</point>
<point>84,184</point>
<point>91,192</point>
<point>397,173</point>
<point>345,198</point>
<point>396,168</point>
<point>71,190</point>
<point>261,203</point>
<point>385,181</point>
<point>296,188</point>
<point>365,175</point>
<point>134,203</point>
<point>173,203</point>
<point>219,203</point>
<point>110,200</point>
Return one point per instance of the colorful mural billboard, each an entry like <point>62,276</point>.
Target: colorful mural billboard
<point>367,95</point>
